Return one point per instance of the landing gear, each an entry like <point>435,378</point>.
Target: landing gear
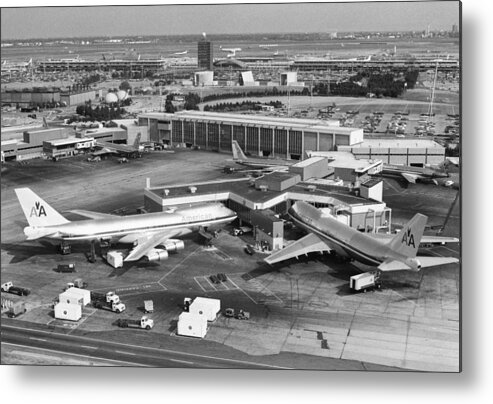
<point>92,254</point>
<point>65,248</point>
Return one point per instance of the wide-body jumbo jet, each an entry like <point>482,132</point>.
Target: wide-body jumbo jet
<point>152,234</point>
<point>326,233</point>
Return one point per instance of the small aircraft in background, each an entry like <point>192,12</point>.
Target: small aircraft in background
<point>412,174</point>
<point>259,164</point>
<point>133,151</point>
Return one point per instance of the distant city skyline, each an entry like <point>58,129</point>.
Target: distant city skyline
<point>91,21</point>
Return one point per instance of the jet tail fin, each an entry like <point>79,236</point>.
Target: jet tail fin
<point>237,152</point>
<point>38,213</point>
<point>407,241</point>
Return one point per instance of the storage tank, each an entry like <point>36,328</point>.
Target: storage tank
<point>122,95</point>
<point>111,98</point>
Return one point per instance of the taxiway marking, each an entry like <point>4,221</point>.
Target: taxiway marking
<point>126,353</point>
<point>74,354</point>
<point>188,354</point>
<point>38,339</point>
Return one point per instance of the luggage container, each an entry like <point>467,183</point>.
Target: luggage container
<point>115,259</point>
<point>365,281</point>
<point>76,295</point>
<point>68,311</point>
<point>192,325</point>
<point>202,306</point>
<point>16,309</point>
<point>148,306</point>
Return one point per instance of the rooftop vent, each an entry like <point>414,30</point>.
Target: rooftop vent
<point>311,188</point>
<point>192,189</point>
<point>166,192</point>
<point>263,188</point>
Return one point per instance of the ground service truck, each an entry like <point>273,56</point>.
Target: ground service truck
<point>144,322</point>
<point>109,301</point>
<point>364,281</point>
<point>110,297</point>
<point>16,290</point>
<point>115,307</point>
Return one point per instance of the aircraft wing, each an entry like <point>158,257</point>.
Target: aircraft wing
<point>147,241</point>
<point>92,215</point>
<point>410,177</point>
<point>439,240</point>
<point>309,243</point>
<point>433,261</point>
<point>103,151</point>
<point>394,265</point>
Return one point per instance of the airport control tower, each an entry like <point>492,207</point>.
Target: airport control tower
<point>205,53</point>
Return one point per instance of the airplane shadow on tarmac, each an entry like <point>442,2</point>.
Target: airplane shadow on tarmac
<point>339,269</point>
<point>22,251</point>
<point>147,266</point>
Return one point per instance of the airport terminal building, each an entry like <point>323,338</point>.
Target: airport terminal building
<point>257,135</point>
<point>259,202</point>
<point>409,152</point>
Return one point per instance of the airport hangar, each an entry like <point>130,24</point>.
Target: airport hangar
<point>259,202</point>
<point>257,135</point>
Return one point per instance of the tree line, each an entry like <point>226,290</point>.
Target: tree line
<point>100,112</point>
<point>241,106</point>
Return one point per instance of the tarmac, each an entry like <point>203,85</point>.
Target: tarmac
<point>303,314</point>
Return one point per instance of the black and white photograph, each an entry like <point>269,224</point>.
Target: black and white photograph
<point>263,186</point>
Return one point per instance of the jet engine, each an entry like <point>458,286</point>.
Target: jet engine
<point>173,245</point>
<point>157,255</point>
<point>414,264</point>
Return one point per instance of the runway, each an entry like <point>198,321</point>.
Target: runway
<point>121,353</point>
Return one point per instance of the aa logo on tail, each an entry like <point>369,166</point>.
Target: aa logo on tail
<point>408,238</point>
<point>37,210</point>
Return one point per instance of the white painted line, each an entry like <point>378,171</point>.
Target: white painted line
<point>126,353</point>
<point>88,347</point>
<point>179,361</point>
<point>188,354</point>
<point>195,279</point>
<point>209,282</point>
<point>456,252</point>
<point>177,265</point>
<point>38,339</point>
<point>74,354</point>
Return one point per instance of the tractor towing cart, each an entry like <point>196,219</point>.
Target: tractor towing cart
<point>144,322</point>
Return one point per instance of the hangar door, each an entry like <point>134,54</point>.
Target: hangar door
<point>310,141</point>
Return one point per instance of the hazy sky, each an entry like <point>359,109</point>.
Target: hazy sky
<point>45,22</point>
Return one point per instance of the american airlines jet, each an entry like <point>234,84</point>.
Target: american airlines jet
<point>120,149</point>
<point>396,253</point>
<point>151,234</point>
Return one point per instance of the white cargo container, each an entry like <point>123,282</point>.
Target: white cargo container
<point>115,259</point>
<point>68,311</point>
<point>364,281</point>
<point>76,295</point>
<point>203,306</point>
<point>192,325</point>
